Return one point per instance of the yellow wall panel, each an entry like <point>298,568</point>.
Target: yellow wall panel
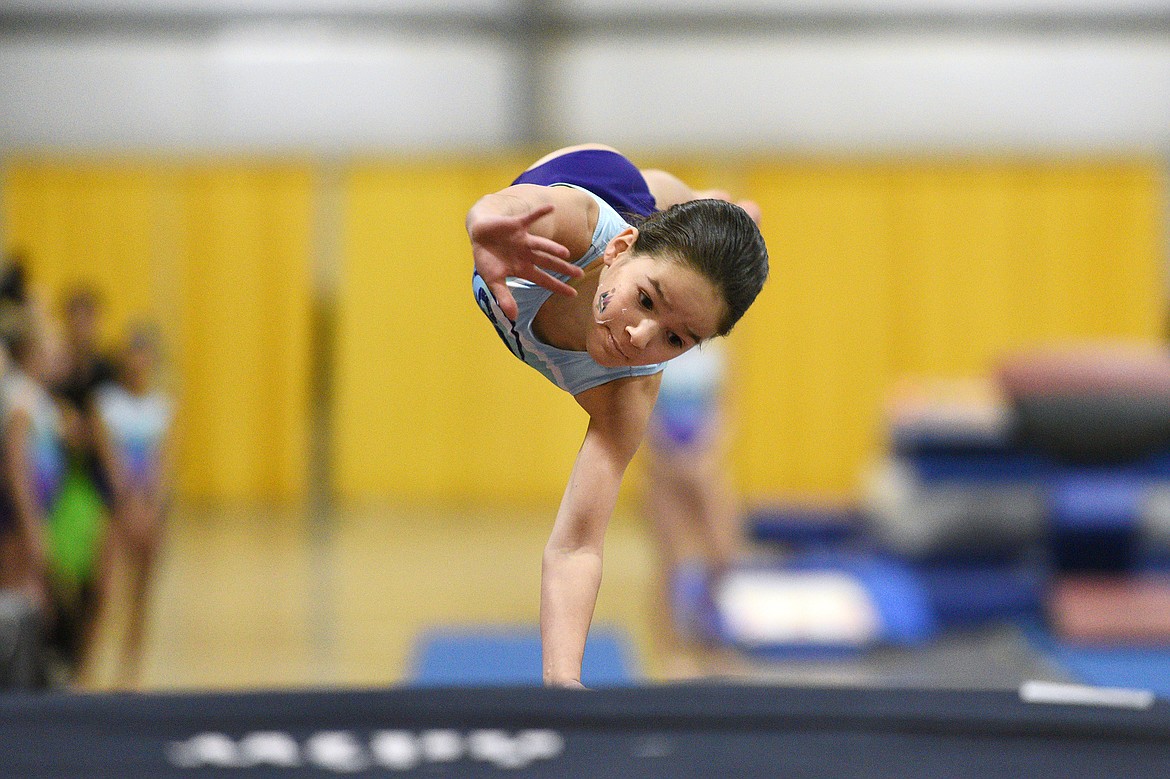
<point>429,402</point>
<point>1099,229</point>
<point>926,268</point>
<point>219,256</point>
<point>953,258</point>
<point>813,348</point>
<point>879,269</point>
<point>244,305</point>
<point>90,224</point>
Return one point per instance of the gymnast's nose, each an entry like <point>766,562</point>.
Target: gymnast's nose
<point>641,333</point>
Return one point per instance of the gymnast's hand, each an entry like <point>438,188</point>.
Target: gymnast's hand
<point>503,246</point>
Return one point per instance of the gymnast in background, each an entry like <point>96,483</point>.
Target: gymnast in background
<point>643,269</point>
<point>136,416</point>
<point>32,457</point>
<point>689,499</point>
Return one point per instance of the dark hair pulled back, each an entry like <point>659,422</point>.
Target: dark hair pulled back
<point>719,240</point>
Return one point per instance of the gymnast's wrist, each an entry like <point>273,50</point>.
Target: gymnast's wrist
<point>563,682</point>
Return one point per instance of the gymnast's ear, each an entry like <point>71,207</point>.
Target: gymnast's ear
<point>620,244</point>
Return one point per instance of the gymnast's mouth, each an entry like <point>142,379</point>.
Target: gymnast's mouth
<point>614,345</point>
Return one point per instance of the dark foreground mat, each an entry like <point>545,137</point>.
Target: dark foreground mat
<point>707,730</point>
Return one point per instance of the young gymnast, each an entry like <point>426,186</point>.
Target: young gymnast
<point>136,417</point>
<point>689,500</point>
<point>645,268</point>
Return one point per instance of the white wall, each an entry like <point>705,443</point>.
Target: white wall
<point>219,7</point>
<point>298,90</point>
<point>343,85</point>
<point>887,93</point>
<point>1100,7</point>
<point>962,7</point>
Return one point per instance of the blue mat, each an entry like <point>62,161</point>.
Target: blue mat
<point>968,593</point>
<point>901,603</point>
<point>1137,667</point>
<point>489,655</point>
<point>915,601</point>
<point>895,588</point>
<point>804,527</point>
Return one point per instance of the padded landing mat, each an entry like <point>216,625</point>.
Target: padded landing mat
<point>674,731</point>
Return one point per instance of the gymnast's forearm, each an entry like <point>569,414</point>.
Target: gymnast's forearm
<point>571,570</point>
<point>570,580</point>
<point>484,217</point>
<point>494,205</point>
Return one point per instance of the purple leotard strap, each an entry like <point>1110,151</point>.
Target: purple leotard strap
<point>606,174</point>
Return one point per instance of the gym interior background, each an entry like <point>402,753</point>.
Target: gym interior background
<point>282,186</point>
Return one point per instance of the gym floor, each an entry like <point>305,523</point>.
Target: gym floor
<point>266,598</point>
<point>263,598</point>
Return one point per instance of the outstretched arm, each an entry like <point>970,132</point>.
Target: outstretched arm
<point>526,231</point>
<point>669,190</point>
<point>571,571</point>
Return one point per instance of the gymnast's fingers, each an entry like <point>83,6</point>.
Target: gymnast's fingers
<point>504,298</point>
<point>535,214</point>
<point>555,262</point>
<point>537,276</point>
<point>539,243</point>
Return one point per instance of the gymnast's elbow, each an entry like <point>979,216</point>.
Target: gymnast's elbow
<point>573,543</point>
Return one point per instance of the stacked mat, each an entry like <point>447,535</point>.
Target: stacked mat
<point>946,537</point>
<point>955,483</point>
<point>1102,415</point>
<point>844,595</point>
<point>1066,449</point>
<point>1074,474</point>
<point>1039,495</point>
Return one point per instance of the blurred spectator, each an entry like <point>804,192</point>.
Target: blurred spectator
<point>136,414</point>
<point>20,645</point>
<point>86,369</point>
<point>32,458</point>
<point>20,620</point>
<point>13,288</point>
<point>13,294</point>
<point>689,498</point>
<point>80,570</point>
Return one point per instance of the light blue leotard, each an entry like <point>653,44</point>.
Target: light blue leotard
<point>572,371</point>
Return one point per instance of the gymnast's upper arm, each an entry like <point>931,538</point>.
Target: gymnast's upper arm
<point>571,222</point>
<point>619,412</point>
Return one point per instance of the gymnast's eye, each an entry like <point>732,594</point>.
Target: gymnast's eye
<point>646,302</point>
<point>675,341</point>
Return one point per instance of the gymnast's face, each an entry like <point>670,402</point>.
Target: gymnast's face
<point>649,309</point>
